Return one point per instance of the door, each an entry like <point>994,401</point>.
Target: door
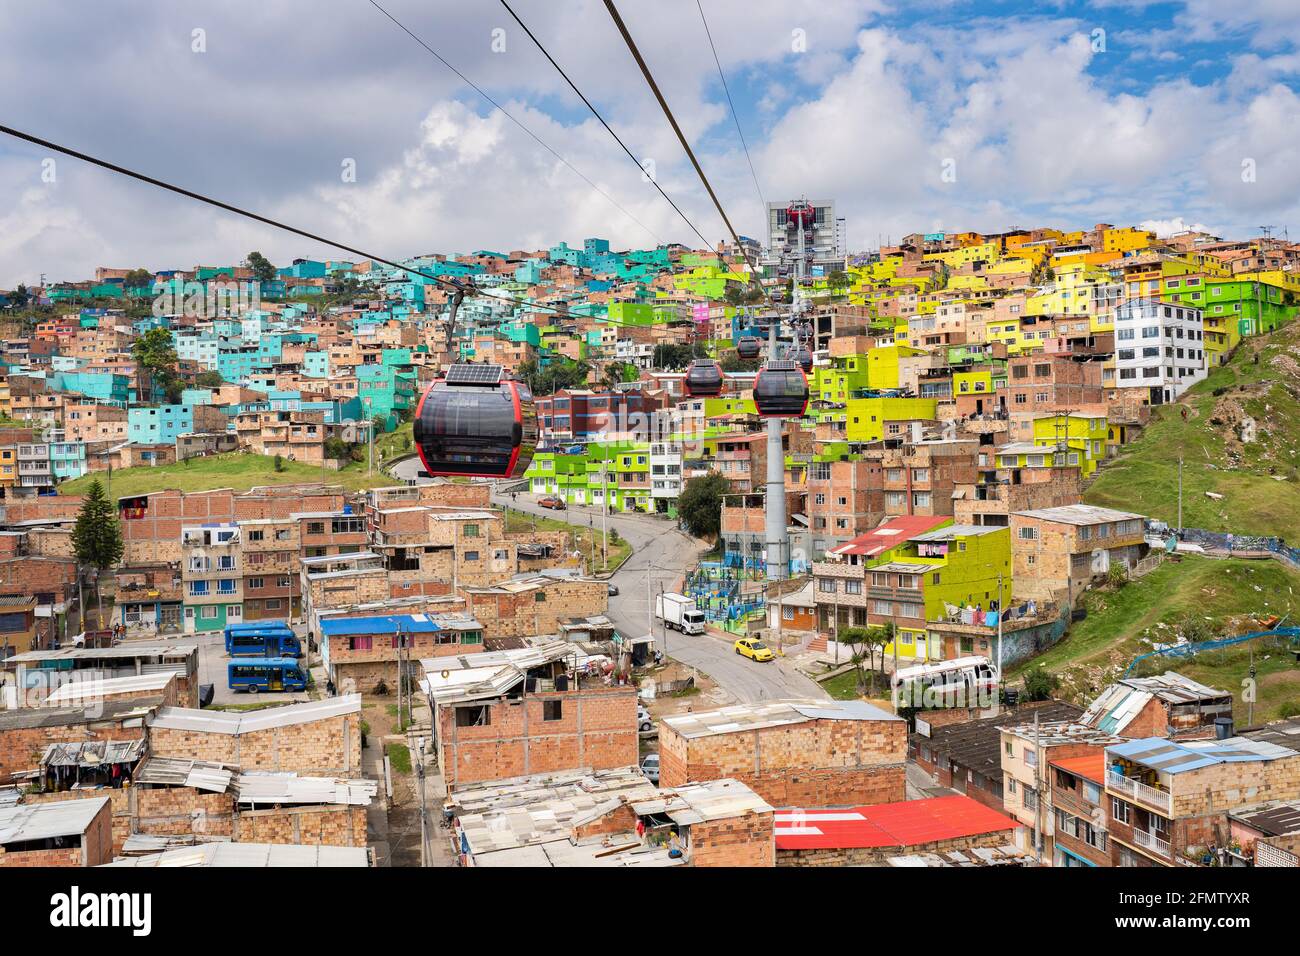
<point>277,680</point>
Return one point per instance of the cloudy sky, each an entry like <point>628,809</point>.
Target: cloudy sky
<point>910,114</point>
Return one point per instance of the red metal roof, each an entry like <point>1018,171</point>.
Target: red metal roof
<point>1090,766</point>
<point>909,823</point>
<point>891,534</point>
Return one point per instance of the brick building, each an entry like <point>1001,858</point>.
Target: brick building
<point>503,714</point>
<point>366,650</point>
<point>1165,705</point>
<point>1167,802</point>
<point>790,752</point>
<point>27,733</point>
<point>1078,813</point>
<point>318,737</point>
<point>1057,552</point>
<point>76,833</point>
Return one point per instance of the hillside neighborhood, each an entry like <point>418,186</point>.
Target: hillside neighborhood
<point>956,553</point>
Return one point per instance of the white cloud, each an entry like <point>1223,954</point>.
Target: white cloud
<point>1163,228</point>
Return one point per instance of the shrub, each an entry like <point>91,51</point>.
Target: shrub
<point>1040,684</point>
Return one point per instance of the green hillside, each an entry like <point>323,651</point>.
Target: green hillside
<point>1259,480</point>
<point>1199,598</point>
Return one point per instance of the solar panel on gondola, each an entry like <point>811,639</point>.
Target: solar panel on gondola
<point>781,390</point>
<point>474,422</point>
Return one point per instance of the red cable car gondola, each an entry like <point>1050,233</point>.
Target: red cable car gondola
<point>475,423</point>
<point>748,348</point>
<point>703,379</point>
<point>804,359</point>
<point>781,390</point>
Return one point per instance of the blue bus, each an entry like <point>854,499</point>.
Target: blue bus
<point>255,674</point>
<point>271,639</point>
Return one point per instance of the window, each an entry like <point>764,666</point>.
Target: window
<point>273,604</point>
<point>826,585</point>
<point>256,584</point>
<point>471,531</point>
<point>539,597</point>
<point>1028,534</point>
<point>315,527</point>
<point>852,587</point>
<point>552,710</point>
<point>471,555</point>
<point>1119,810</point>
<point>256,535</point>
<point>473,716</point>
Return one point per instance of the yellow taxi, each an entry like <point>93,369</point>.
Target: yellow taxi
<point>754,649</point>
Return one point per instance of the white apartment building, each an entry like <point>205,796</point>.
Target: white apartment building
<point>1159,347</point>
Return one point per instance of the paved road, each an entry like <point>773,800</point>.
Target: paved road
<point>660,555</point>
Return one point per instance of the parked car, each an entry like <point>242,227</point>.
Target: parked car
<point>552,502</point>
<point>613,589</point>
<point>650,767</point>
<point>754,649</point>
<point>643,721</point>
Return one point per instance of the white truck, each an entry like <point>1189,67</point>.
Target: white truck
<point>680,613</point>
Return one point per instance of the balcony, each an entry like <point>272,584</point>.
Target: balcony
<point>1149,841</point>
<point>1161,800</point>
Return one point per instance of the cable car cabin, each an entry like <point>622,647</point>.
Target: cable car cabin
<point>748,348</point>
<point>804,359</point>
<point>274,674</point>
<point>476,423</point>
<point>781,390</point>
<point>703,379</point>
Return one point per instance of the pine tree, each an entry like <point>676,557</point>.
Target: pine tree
<point>97,538</point>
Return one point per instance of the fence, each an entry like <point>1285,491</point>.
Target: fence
<point>1227,541</point>
<point>1289,634</point>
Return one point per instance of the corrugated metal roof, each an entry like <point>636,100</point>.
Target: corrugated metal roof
<point>1079,514</point>
<point>92,753</point>
<point>182,772</point>
<point>234,723</point>
<point>903,824</point>
<point>273,788</point>
<point>1174,757</point>
<point>128,649</point>
<point>744,717</point>
<point>42,821</point>
<point>408,623</point>
<point>252,855</point>
<point>94,688</point>
<point>488,674</point>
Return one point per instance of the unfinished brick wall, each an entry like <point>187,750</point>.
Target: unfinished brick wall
<point>816,763</point>
<point>877,855</point>
<point>596,728</point>
<point>169,811</point>
<point>306,826</point>
<point>21,749</point>
<point>331,746</point>
<point>96,848</point>
<point>736,841</point>
<point>621,819</point>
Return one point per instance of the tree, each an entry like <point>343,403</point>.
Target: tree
<point>838,280</point>
<point>156,354</point>
<point>97,537</point>
<point>137,278</point>
<point>617,372</point>
<point>672,356</point>
<point>700,504</point>
<point>263,271</point>
<point>209,379</point>
<point>559,373</point>
<point>732,362</point>
<point>1039,684</point>
<point>866,642</point>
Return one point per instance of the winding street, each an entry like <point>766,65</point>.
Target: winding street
<point>660,556</point>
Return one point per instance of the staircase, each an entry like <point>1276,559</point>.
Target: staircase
<point>818,643</point>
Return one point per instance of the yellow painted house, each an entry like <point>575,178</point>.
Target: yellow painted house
<point>1086,436</point>
<point>865,418</point>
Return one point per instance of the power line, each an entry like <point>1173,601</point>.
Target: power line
<point>257,217</point>
<point>609,129</point>
<point>467,289</point>
<point>510,116</point>
<point>681,137</point>
<point>734,115</point>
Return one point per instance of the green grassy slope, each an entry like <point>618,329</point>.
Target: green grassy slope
<point>1259,480</point>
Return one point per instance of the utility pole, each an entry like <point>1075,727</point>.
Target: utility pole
<point>1038,792</point>
<point>1001,613</point>
<point>1180,493</point>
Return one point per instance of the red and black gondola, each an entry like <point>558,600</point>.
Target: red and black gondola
<point>748,347</point>
<point>781,390</point>
<point>474,422</point>
<point>703,379</point>
<point>804,359</point>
